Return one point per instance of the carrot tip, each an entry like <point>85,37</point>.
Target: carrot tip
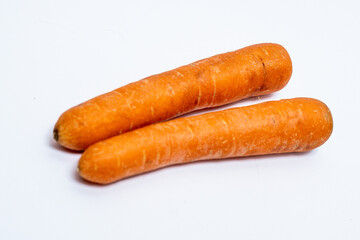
<point>56,134</point>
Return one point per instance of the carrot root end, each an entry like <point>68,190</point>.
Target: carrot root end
<point>56,134</point>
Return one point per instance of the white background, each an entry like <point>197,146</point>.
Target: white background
<point>56,54</point>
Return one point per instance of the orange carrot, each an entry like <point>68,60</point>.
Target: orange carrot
<point>291,125</point>
<point>221,79</point>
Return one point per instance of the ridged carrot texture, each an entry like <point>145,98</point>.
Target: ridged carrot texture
<point>221,79</point>
<point>293,125</point>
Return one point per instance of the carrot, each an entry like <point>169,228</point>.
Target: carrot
<point>221,79</point>
<point>291,125</point>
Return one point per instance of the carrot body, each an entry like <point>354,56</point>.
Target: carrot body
<point>221,79</point>
<point>293,125</point>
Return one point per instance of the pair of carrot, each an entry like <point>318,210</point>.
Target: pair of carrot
<point>118,132</point>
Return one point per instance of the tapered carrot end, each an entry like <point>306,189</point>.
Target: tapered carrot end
<point>91,172</point>
<point>65,129</point>
<point>277,66</point>
<point>88,167</point>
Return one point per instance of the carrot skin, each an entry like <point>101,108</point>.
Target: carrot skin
<point>291,125</point>
<point>252,71</point>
